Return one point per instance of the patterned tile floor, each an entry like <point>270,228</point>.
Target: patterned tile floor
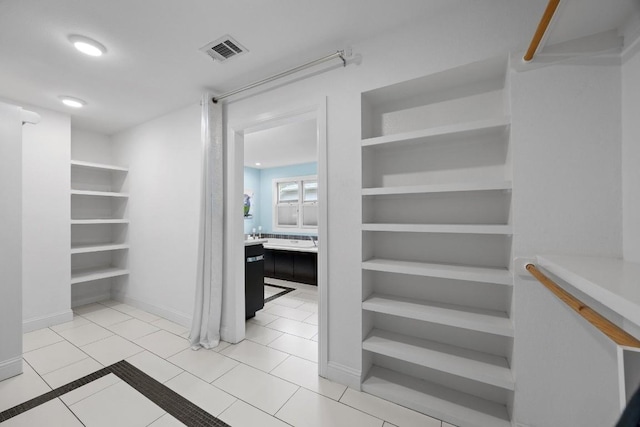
<point>269,379</point>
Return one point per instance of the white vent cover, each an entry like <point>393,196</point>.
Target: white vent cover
<point>224,48</point>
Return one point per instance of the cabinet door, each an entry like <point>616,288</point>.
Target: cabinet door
<point>283,262</point>
<point>269,259</point>
<point>305,268</point>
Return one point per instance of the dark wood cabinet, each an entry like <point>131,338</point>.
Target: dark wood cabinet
<point>253,279</point>
<point>294,266</point>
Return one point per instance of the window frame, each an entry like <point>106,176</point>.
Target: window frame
<point>300,203</point>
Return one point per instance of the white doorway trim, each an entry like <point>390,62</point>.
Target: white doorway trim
<point>234,329</point>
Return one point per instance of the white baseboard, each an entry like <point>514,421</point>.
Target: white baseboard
<point>344,375</point>
<point>35,323</point>
<point>167,313</point>
<point>10,368</point>
<point>91,299</point>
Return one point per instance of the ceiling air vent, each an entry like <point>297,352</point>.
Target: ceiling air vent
<point>224,48</point>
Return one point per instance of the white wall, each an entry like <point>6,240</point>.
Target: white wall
<point>631,157</point>
<point>462,35</point>
<point>90,146</point>
<point>46,215</point>
<point>10,241</point>
<point>566,199</point>
<point>164,159</point>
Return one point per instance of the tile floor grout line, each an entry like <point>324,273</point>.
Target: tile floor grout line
<point>70,410</point>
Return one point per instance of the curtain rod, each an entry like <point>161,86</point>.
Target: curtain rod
<point>339,54</point>
<point>549,12</point>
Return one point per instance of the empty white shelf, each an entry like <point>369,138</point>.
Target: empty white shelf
<point>99,221</point>
<point>470,129</point>
<point>91,165</point>
<point>89,274</point>
<point>500,276</point>
<point>474,319</point>
<point>474,365</point>
<point>441,228</point>
<point>452,406</point>
<point>97,193</point>
<point>438,188</point>
<point>88,248</point>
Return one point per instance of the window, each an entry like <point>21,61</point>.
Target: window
<point>295,203</point>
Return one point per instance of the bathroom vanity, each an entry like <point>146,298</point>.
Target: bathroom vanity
<point>253,276</point>
<point>293,260</point>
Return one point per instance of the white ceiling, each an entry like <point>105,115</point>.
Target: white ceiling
<point>288,144</point>
<point>153,64</point>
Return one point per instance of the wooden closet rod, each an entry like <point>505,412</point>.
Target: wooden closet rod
<point>542,28</point>
<point>615,333</point>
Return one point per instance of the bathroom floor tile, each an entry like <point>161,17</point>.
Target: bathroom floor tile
<point>309,306</point>
<point>172,327</point>
<point>166,421</point>
<point>86,334</point>
<point>205,364</point>
<point>18,389</point>
<point>88,308</point>
<point>106,317</point>
<point>255,355</point>
<point>257,388</point>
<point>293,327</point>
<point>210,398</point>
<point>118,405</point>
<point>90,389</point>
<point>241,414</point>
<point>76,322</point>
<point>297,346</point>
<point>307,408</point>
<point>305,374</point>
<point>43,415</point>
<point>111,350</point>
<point>142,315</point>
<point>312,320</point>
<point>40,338</point>
<point>72,372</point>
<point>262,318</point>
<point>55,356</point>
<point>386,410</point>
<point>288,313</point>
<point>133,329</point>
<point>154,366</point>
<point>121,307</point>
<point>287,301</point>
<point>163,343</point>
<point>260,334</point>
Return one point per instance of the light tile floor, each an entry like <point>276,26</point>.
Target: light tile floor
<point>269,379</point>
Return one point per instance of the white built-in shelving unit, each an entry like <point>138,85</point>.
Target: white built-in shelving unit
<point>436,245</point>
<point>99,229</point>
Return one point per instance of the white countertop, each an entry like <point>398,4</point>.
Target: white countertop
<point>251,242</point>
<point>612,282</point>
<point>298,245</point>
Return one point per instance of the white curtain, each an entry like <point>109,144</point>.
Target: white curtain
<point>205,330</point>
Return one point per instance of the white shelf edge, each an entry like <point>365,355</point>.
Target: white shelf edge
<point>476,366</point>
<point>90,274</point>
<point>426,134</point>
<point>441,228</point>
<point>99,221</point>
<point>91,165</point>
<point>98,193</point>
<point>443,403</point>
<point>500,276</point>
<point>85,249</point>
<point>486,321</point>
<point>439,188</point>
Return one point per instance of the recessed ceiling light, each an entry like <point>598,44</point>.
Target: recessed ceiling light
<point>258,163</point>
<point>72,102</point>
<point>87,46</point>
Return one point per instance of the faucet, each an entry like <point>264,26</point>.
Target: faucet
<point>314,242</point>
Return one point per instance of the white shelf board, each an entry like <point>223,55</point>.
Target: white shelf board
<point>500,276</point>
<point>441,228</point>
<point>474,365</point>
<point>90,165</point>
<point>89,274</point>
<point>85,249</point>
<point>488,321</point>
<point>469,129</point>
<point>97,193</point>
<point>610,281</point>
<point>439,188</point>
<point>452,406</point>
<point>99,221</point>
